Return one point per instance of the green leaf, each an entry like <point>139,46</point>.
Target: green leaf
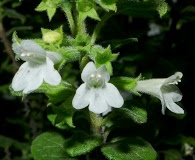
<point>81,143</point>
<point>139,8</point>
<point>85,5</point>
<point>130,111</point>
<point>103,56</point>
<point>15,38</point>
<point>138,115</point>
<point>126,83</point>
<point>49,6</point>
<point>64,113</point>
<point>51,115</point>
<point>86,9</point>
<point>108,4</point>
<point>91,13</point>
<point>57,94</point>
<point>130,148</point>
<point>49,145</point>
<point>134,111</point>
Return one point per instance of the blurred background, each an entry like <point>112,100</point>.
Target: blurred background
<point>163,46</point>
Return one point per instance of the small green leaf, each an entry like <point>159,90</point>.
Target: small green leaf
<point>51,115</point>
<point>81,143</point>
<point>129,149</point>
<point>57,94</point>
<point>85,5</point>
<point>15,38</point>
<point>64,112</point>
<point>108,4</point>
<point>49,6</point>
<point>91,13</point>
<point>49,145</point>
<point>103,56</point>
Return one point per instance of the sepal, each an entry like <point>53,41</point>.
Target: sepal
<point>126,83</point>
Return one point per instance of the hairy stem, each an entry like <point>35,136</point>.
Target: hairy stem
<point>71,22</point>
<point>96,123</point>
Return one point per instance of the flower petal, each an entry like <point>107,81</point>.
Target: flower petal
<point>103,71</point>
<point>97,102</point>
<point>151,87</point>
<point>51,75</point>
<point>20,80</point>
<point>107,111</point>
<point>54,56</point>
<point>175,108</point>
<point>112,96</point>
<point>34,78</point>
<point>82,97</point>
<point>89,69</point>
<point>174,79</point>
<point>32,47</point>
<point>171,94</point>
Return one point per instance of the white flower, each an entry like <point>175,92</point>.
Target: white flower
<point>164,89</point>
<point>39,67</point>
<point>96,91</point>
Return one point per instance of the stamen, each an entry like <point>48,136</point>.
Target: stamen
<point>95,80</point>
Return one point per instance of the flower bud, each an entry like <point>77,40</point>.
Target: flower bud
<point>51,37</point>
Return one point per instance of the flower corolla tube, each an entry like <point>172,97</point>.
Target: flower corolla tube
<point>39,67</point>
<point>165,89</point>
<point>96,91</point>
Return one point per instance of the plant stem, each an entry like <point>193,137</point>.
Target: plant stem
<point>99,26</point>
<point>81,28</point>
<point>79,21</point>
<point>71,22</point>
<point>96,124</point>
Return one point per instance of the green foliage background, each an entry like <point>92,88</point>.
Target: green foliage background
<point>161,55</point>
